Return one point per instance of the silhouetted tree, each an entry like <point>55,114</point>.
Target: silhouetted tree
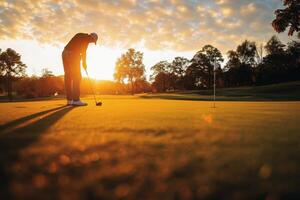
<point>11,66</point>
<point>293,58</point>
<point>196,70</point>
<point>238,70</point>
<point>202,66</point>
<point>274,46</point>
<point>169,76</point>
<point>47,73</point>
<point>233,60</point>
<point>231,69</point>
<point>247,52</point>
<point>178,70</point>
<point>161,76</point>
<point>179,65</point>
<point>281,63</point>
<point>142,86</point>
<point>288,17</point>
<point>130,66</point>
<point>162,66</point>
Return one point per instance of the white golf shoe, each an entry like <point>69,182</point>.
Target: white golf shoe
<point>79,103</point>
<point>70,102</point>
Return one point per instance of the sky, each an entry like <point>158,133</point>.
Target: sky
<point>161,29</point>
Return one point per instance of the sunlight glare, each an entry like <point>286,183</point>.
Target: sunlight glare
<point>101,61</point>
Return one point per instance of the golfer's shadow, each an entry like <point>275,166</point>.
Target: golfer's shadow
<point>19,121</point>
<point>14,138</point>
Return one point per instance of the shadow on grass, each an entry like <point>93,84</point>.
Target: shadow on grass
<point>4,99</point>
<point>27,118</point>
<point>14,139</point>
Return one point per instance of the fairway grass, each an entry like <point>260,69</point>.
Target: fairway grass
<point>139,148</point>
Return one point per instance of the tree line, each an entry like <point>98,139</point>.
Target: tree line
<point>245,66</point>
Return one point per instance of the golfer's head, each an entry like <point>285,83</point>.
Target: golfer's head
<point>94,37</point>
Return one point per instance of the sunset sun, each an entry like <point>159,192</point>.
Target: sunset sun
<point>101,61</point>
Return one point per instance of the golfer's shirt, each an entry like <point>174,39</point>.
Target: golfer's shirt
<point>78,44</point>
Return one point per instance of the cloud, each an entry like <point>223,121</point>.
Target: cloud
<point>168,24</point>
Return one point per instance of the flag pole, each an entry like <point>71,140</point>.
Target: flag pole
<point>214,85</point>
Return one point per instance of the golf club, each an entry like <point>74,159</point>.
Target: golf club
<point>92,88</point>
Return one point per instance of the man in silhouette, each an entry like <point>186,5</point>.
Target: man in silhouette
<point>73,53</point>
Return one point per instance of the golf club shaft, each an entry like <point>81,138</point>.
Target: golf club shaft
<point>91,86</point>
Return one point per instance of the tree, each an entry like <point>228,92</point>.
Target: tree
<point>281,64</point>
<point>161,76</point>
<point>288,17</point>
<point>231,68</point>
<point>142,85</point>
<point>179,65</point>
<point>247,52</point>
<point>130,66</point>
<point>162,66</point>
<point>275,64</point>
<point>233,60</point>
<point>239,67</point>
<point>11,66</point>
<point>178,71</point>
<point>169,76</point>
<point>274,46</point>
<point>47,73</point>
<point>293,58</point>
<point>196,70</point>
<point>202,65</point>
<point>161,82</point>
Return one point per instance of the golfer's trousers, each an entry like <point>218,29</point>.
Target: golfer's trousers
<point>71,64</point>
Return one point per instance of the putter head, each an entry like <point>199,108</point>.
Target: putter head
<point>98,103</point>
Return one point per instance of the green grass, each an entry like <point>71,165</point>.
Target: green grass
<point>137,148</point>
<point>277,92</point>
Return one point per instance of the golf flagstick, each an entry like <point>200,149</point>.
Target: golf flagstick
<point>92,88</point>
<point>214,106</point>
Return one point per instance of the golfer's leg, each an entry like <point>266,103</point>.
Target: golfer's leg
<point>67,77</point>
<point>68,86</point>
<point>76,82</point>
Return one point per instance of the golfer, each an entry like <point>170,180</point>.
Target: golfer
<point>73,53</point>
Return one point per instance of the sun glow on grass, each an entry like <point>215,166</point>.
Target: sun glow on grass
<point>119,149</point>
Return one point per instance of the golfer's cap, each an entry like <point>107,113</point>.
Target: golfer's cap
<point>94,36</point>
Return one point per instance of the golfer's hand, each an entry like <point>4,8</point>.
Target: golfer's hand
<point>84,66</point>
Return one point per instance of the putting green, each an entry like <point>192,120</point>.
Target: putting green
<point>137,148</point>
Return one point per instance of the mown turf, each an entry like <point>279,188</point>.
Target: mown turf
<point>133,148</point>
